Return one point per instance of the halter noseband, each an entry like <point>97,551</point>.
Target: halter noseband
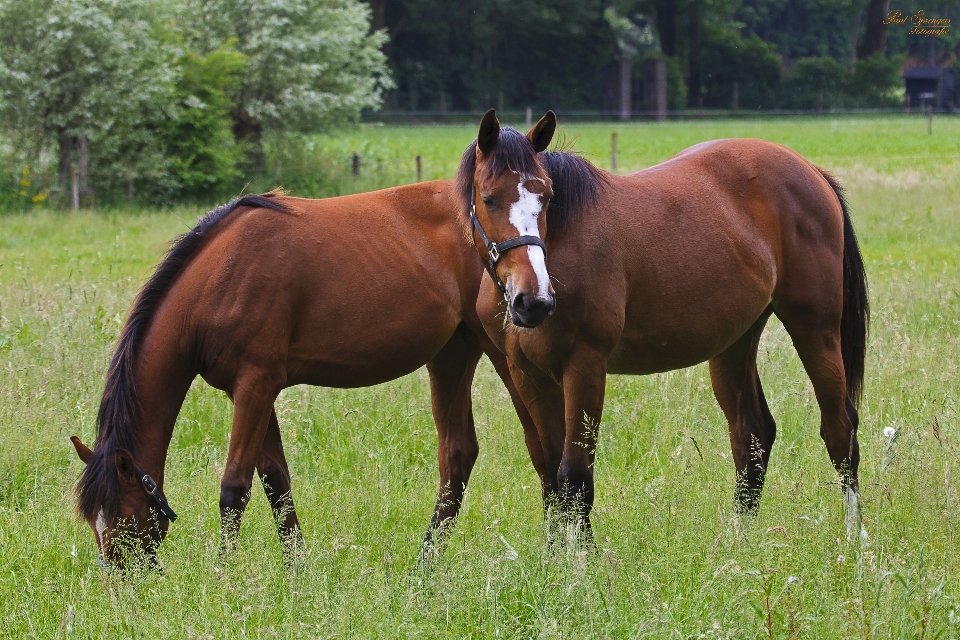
<point>495,250</point>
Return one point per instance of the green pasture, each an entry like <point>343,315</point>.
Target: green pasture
<point>671,559</point>
<point>321,165</point>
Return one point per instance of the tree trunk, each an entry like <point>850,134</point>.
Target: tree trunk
<point>83,170</point>
<point>83,162</point>
<point>66,159</point>
<point>248,131</point>
<point>626,75</point>
<point>876,32</point>
<point>694,99</point>
<point>856,36</point>
<point>655,86</point>
<point>378,18</point>
<point>667,26</point>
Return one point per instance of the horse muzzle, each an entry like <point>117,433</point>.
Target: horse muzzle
<point>530,310</point>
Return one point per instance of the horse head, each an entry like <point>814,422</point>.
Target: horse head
<point>510,194</point>
<point>130,516</point>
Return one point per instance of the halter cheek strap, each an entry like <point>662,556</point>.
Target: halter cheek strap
<point>495,250</point>
<point>158,499</point>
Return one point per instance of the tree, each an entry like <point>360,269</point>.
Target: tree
<point>83,74</point>
<point>876,31</point>
<point>469,54</point>
<point>311,64</point>
<point>729,60</point>
<point>197,135</point>
<point>633,35</point>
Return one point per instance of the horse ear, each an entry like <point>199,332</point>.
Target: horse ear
<point>542,132</point>
<point>489,131</point>
<point>82,450</point>
<point>126,469</point>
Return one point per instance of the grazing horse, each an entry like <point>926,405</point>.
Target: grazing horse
<point>593,273</point>
<point>268,292</point>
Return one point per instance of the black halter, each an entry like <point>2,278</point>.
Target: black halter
<point>158,500</point>
<point>495,250</point>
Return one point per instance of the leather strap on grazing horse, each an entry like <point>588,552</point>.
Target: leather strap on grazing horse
<point>495,250</point>
<point>158,499</point>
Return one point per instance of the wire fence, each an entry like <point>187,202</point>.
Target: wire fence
<point>329,172</point>
<point>400,116</point>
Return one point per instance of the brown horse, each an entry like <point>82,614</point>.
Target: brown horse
<point>268,292</point>
<point>593,273</point>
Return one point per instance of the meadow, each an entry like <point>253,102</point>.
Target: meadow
<point>671,560</point>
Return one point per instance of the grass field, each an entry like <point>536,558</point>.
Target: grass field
<point>672,561</point>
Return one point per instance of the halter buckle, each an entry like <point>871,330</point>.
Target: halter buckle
<point>149,485</point>
<point>494,253</point>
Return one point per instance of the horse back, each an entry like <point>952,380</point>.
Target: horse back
<point>344,291</point>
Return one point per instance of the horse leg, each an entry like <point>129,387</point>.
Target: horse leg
<point>543,398</point>
<point>451,380</point>
<point>816,337</point>
<point>736,385</point>
<point>251,419</point>
<point>530,434</point>
<point>584,380</point>
<point>275,478</point>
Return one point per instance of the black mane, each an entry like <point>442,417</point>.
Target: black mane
<point>119,414</point>
<point>576,182</point>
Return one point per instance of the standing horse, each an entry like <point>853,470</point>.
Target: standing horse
<point>594,273</point>
<point>268,292</point>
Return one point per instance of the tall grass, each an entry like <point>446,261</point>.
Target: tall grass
<point>671,560</point>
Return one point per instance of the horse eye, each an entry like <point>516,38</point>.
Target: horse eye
<point>487,200</point>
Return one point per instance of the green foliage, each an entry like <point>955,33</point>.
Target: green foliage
<point>73,68</point>
<point>676,85</point>
<point>815,82</point>
<point>21,191</point>
<point>311,64</point>
<point>802,28</point>
<point>875,82</point>
<point>542,53</point>
<point>198,138</point>
<point>728,57</point>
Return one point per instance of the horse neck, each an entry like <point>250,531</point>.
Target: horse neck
<point>164,372</point>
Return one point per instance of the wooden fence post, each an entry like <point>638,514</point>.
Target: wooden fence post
<point>356,164</point>
<point>613,151</point>
<point>419,168</point>
<point>74,188</point>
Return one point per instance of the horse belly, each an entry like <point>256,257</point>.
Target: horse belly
<point>661,339</point>
<point>344,345</point>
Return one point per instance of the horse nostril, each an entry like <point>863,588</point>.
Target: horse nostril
<point>548,301</point>
<point>521,302</point>
<point>533,309</point>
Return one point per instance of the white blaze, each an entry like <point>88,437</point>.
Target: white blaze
<point>101,526</point>
<point>523,216</point>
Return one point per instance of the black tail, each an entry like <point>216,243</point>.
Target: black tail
<point>855,321</point>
